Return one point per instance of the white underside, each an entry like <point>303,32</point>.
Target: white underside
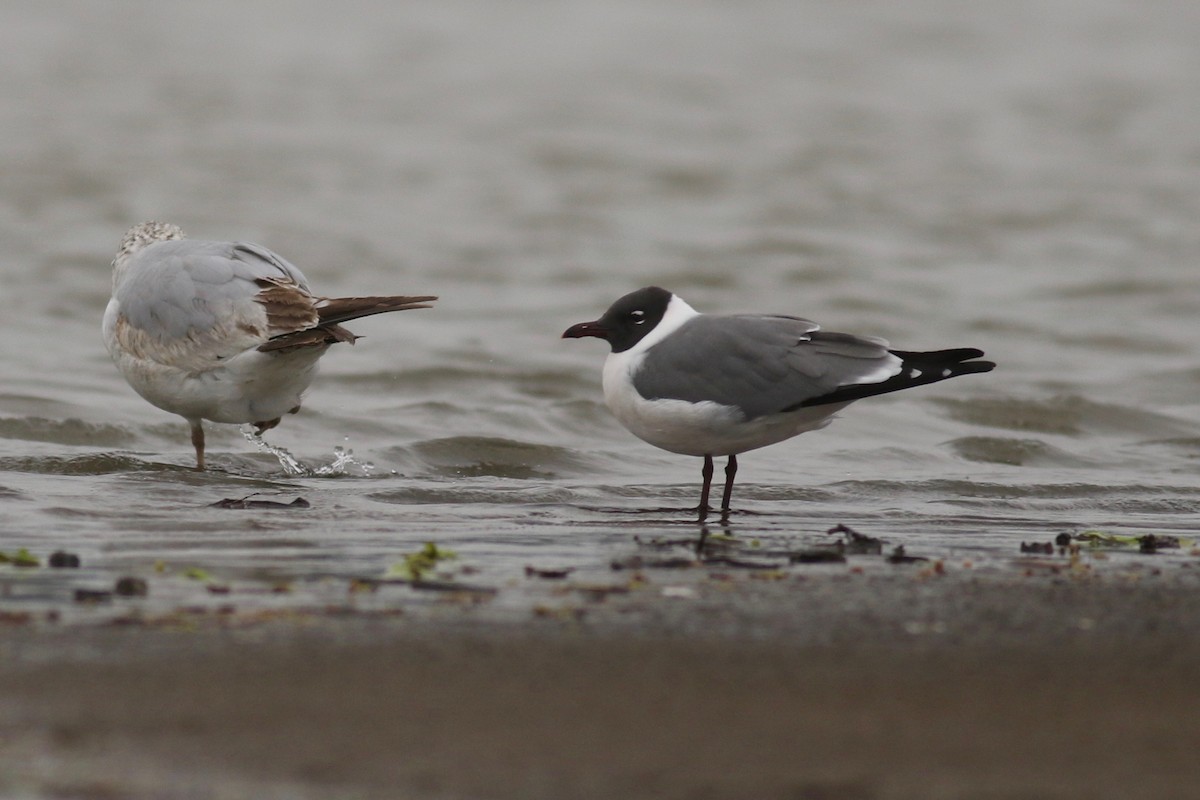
<point>247,387</point>
<point>252,387</point>
<point>700,429</point>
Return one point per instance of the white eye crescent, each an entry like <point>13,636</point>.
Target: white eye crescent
<point>639,317</point>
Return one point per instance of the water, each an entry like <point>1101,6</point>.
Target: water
<point>1021,177</point>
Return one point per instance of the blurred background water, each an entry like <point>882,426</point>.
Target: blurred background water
<point>1022,177</point>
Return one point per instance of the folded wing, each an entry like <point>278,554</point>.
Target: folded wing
<point>766,365</point>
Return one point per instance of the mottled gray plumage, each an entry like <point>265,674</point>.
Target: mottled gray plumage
<point>188,286</point>
<point>759,364</point>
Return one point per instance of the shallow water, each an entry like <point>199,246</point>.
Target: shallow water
<point>1018,177</point>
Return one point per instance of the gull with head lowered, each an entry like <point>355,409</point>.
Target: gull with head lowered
<point>222,331</point>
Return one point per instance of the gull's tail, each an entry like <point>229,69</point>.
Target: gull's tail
<point>335,310</point>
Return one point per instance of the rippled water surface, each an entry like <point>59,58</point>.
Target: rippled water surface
<point>1021,177</point>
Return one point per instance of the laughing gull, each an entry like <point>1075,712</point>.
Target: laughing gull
<point>223,331</point>
<point>707,385</point>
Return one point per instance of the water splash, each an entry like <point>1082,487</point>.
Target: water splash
<point>344,461</point>
<point>291,465</point>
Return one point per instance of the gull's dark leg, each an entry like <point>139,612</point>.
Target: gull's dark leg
<point>198,442</point>
<point>730,472</point>
<point>706,472</point>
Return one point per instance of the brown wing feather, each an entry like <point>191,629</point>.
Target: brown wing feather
<point>312,337</point>
<point>297,319</point>
<point>289,308</point>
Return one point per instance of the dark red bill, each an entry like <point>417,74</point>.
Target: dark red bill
<point>586,329</point>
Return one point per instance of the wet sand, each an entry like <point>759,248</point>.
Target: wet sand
<point>831,687</point>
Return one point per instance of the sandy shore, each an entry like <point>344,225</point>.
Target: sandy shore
<point>841,688</point>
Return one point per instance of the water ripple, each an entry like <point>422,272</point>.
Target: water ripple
<point>91,464</point>
<point>477,456</point>
<point>1017,452</point>
<point>1069,415</point>
<point>453,494</point>
<point>64,431</point>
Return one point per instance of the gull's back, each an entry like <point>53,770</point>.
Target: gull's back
<point>179,288</point>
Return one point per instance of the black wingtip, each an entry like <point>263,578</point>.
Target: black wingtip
<point>953,356</point>
<point>977,366</point>
<point>951,363</point>
<point>918,369</point>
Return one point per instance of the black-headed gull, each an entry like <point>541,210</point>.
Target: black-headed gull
<point>223,331</point>
<point>707,385</point>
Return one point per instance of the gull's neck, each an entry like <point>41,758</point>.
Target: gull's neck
<point>678,312</point>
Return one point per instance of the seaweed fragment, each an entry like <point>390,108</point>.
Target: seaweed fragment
<point>548,574</point>
<point>637,562</point>
<point>131,587</point>
<point>855,543</point>
<point>1152,543</point>
<point>247,502</point>
<point>819,555</point>
<point>1147,543</point>
<point>92,595</point>
<point>898,556</point>
<point>60,559</point>
<point>1105,539</point>
<point>21,558</point>
<point>415,566</point>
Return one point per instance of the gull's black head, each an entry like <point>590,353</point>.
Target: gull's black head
<point>627,320</point>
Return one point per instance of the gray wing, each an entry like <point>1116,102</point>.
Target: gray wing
<point>183,286</point>
<point>759,364</point>
<point>189,302</point>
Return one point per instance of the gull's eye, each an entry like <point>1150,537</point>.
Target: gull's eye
<point>639,317</point>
